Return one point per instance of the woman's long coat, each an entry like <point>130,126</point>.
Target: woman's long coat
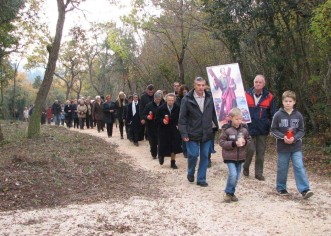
<point>169,140</point>
<point>120,109</point>
<point>133,121</point>
<point>97,111</point>
<point>109,117</point>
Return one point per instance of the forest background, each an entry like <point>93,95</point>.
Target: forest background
<point>162,41</point>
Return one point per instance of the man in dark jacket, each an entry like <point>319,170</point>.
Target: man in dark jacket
<point>56,110</point>
<point>197,114</point>
<point>262,107</point>
<point>149,115</point>
<point>147,97</point>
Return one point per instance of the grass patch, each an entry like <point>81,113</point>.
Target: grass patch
<point>62,167</point>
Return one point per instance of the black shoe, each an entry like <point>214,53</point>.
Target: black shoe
<point>283,193</point>
<point>260,177</point>
<point>202,184</point>
<point>161,160</point>
<point>246,172</point>
<point>136,144</point>
<point>154,156</point>
<point>307,194</point>
<point>190,178</point>
<point>173,164</point>
<point>209,163</point>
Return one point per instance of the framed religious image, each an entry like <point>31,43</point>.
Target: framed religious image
<point>228,91</point>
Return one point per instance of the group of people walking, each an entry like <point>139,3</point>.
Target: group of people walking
<point>185,121</point>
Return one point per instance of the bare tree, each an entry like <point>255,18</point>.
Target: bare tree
<point>64,6</point>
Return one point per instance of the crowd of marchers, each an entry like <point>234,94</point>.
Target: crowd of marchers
<point>185,121</point>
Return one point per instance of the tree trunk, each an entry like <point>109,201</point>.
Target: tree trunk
<point>34,124</point>
<point>181,71</point>
<point>1,135</point>
<point>14,92</point>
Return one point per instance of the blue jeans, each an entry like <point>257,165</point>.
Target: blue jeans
<point>184,148</point>
<point>194,150</point>
<point>56,119</point>
<point>233,177</point>
<point>299,170</point>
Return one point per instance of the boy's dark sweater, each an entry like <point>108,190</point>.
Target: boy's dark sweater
<point>281,122</point>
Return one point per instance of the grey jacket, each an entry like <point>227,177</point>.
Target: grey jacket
<point>281,122</point>
<point>194,124</point>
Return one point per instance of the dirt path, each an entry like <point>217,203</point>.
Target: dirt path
<point>187,208</point>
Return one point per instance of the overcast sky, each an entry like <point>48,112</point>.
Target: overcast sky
<point>95,11</point>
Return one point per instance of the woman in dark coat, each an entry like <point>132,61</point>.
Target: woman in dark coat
<point>109,108</point>
<point>68,113</point>
<point>74,113</point>
<point>183,90</point>
<point>89,117</point>
<point>97,113</point>
<point>149,115</point>
<point>120,104</point>
<point>127,126</point>
<point>169,138</point>
<point>133,119</point>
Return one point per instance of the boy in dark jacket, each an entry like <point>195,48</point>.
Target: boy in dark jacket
<point>234,140</point>
<point>288,129</point>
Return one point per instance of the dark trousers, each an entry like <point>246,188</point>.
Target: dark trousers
<point>135,135</point>
<point>76,122</point>
<point>99,125</point>
<point>258,146</point>
<point>89,121</point>
<point>153,141</point>
<point>109,129</point>
<point>128,132</point>
<point>69,121</point>
<point>81,123</point>
<point>121,125</point>
<point>142,132</point>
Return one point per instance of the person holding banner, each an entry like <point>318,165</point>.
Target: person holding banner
<point>196,116</point>
<point>262,107</point>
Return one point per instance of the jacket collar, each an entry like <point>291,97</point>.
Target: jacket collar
<point>265,92</point>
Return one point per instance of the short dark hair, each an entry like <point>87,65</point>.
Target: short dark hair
<point>150,87</point>
<point>181,90</point>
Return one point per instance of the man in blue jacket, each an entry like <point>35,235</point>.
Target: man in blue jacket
<point>262,107</point>
<point>196,116</point>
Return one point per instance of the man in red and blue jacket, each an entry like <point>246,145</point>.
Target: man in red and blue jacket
<point>262,107</point>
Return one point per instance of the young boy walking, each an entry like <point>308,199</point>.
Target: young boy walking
<point>288,129</point>
<point>233,140</point>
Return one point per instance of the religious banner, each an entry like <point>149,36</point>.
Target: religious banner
<point>228,91</point>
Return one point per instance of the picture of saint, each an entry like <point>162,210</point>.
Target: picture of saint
<point>227,90</point>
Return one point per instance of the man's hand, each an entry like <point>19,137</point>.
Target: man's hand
<point>186,139</point>
<point>142,122</point>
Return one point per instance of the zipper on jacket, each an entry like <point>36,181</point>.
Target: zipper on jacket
<point>260,112</point>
